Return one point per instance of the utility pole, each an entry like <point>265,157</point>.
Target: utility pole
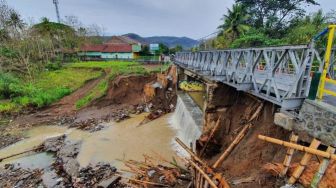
<point>57,11</point>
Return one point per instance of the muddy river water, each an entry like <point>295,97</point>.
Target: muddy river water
<point>119,141</point>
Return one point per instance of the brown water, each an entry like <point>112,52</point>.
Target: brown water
<point>198,98</point>
<point>125,140</point>
<point>120,141</point>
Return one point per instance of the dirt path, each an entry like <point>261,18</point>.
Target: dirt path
<point>64,108</point>
<point>67,105</point>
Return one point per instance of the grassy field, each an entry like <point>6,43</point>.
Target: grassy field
<point>47,88</point>
<point>121,68</point>
<point>113,68</point>
<point>50,86</point>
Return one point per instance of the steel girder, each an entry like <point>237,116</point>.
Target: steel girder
<point>278,74</point>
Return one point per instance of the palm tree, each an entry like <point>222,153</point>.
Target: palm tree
<point>235,22</point>
<point>15,20</point>
<point>15,23</point>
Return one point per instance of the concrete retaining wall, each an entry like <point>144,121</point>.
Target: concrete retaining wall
<point>317,119</point>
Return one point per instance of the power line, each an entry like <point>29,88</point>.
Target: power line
<point>202,38</point>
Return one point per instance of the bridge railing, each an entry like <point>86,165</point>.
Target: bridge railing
<point>278,74</point>
<point>320,60</point>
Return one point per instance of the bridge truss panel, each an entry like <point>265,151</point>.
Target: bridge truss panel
<point>278,74</point>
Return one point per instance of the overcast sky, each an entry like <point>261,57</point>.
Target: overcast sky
<point>191,18</point>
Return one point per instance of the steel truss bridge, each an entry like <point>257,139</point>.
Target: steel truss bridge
<point>281,75</point>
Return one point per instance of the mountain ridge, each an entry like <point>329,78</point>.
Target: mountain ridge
<point>170,41</point>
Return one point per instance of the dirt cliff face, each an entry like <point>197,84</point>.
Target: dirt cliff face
<point>248,157</point>
<point>128,90</point>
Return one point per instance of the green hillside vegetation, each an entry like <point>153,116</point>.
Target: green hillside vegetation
<point>257,23</point>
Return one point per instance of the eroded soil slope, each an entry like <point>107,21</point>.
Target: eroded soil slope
<point>244,166</point>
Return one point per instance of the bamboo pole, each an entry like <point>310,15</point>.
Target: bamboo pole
<point>202,182</point>
<point>193,155</point>
<point>212,134</point>
<point>198,178</point>
<point>37,148</point>
<point>322,169</point>
<point>212,184</point>
<point>298,147</point>
<point>256,113</point>
<point>235,142</point>
<point>304,161</point>
<point>293,139</point>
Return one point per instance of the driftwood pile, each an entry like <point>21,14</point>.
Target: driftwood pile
<point>203,175</point>
<point>156,172</point>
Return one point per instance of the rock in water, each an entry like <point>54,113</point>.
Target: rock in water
<point>109,183</point>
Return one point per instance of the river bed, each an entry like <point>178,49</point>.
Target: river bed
<point>119,141</point>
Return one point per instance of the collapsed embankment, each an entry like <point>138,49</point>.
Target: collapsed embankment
<point>124,95</point>
<point>243,167</point>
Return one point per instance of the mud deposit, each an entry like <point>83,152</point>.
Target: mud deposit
<point>79,154</point>
<point>85,146</point>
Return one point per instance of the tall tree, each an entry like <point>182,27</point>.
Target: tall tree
<point>274,14</point>
<point>304,29</point>
<point>235,22</point>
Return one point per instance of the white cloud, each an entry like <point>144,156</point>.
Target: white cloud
<point>192,18</point>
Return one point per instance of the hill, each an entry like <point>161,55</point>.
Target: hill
<point>170,41</point>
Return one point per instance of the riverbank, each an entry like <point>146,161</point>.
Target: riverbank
<point>87,105</point>
<point>137,101</point>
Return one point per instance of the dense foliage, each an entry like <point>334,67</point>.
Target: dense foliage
<point>254,23</point>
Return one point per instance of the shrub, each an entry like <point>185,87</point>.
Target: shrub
<point>8,107</point>
<point>41,98</point>
<point>10,86</point>
<point>53,66</point>
<point>255,40</point>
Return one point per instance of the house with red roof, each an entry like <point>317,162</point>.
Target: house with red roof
<point>119,47</point>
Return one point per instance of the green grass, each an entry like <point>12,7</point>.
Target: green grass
<point>103,64</point>
<point>120,68</point>
<point>68,78</point>
<point>47,88</point>
<point>95,93</point>
<point>8,107</point>
<point>114,68</point>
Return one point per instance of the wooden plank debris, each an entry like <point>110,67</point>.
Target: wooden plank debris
<point>298,147</point>
<point>290,151</point>
<point>304,161</point>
